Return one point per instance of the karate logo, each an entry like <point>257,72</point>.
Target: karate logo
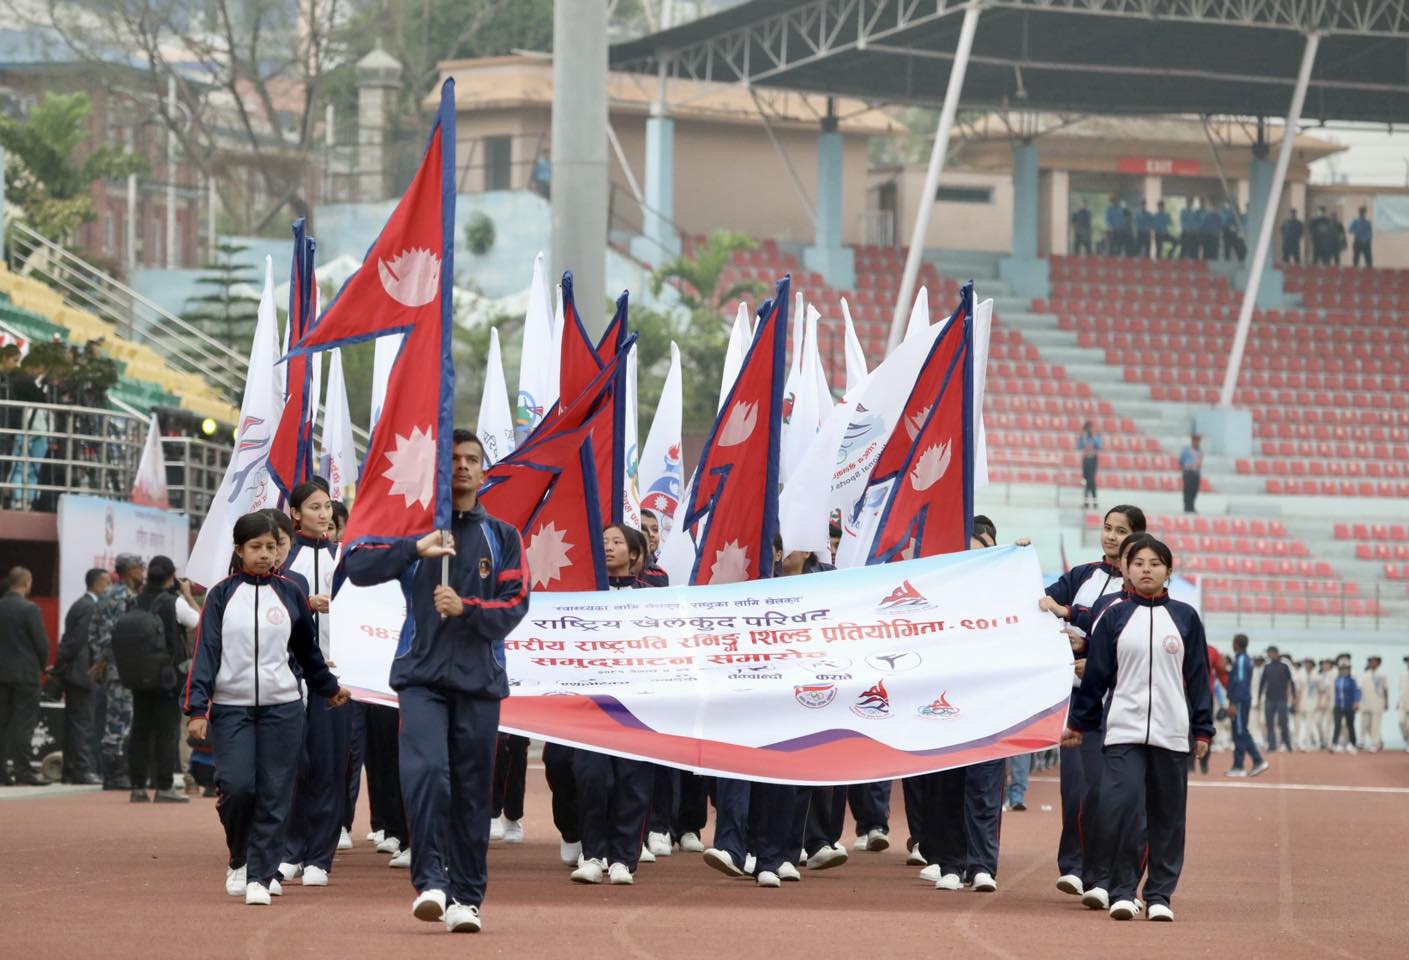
<point>938,709</point>
<point>874,703</point>
<point>815,696</point>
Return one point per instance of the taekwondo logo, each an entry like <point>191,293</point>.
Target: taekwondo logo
<point>894,662</point>
<point>904,597</point>
<point>815,696</point>
<point>874,703</point>
<point>663,495</point>
<point>938,709</point>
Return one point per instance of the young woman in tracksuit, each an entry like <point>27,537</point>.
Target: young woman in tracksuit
<point>1149,653</point>
<point>256,638</point>
<point>449,676</point>
<point>1075,590</point>
<point>316,823</point>
<point>613,793</point>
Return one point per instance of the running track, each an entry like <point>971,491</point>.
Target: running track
<point>1277,867</point>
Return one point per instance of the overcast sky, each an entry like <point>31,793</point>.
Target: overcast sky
<point>1374,158</point>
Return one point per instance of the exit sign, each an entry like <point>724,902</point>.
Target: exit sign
<point>1159,166</point>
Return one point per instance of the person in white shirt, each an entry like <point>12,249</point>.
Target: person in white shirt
<point>1374,701</point>
<point>1404,704</point>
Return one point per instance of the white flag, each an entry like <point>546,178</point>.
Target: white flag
<point>149,484</point>
<point>246,485</point>
<point>659,472</point>
<point>856,371</point>
<point>800,402</point>
<point>538,360</point>
<point>983,329</point>
<point>496,422</point>
<point>337,461</point>
<point>824,390</point>
<point>739,339</point>
<point>631,495</point>
<point>919,314</point>
<point>383,358</point>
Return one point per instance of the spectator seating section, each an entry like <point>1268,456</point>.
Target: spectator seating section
<point>1328,384</point>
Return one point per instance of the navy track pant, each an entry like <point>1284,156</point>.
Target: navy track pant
<point>614,797</point>
<point>1145,787</point>
<point>256,753</point>
<point>983,815</point>
<point>447,780</point>
<point>320,793</point>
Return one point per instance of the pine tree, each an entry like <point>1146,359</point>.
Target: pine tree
<point>225,312</point>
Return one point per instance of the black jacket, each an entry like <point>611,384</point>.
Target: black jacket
<point>24,648</point>
<point>75,655</point>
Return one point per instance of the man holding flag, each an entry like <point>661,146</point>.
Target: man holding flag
<point>448,670</point>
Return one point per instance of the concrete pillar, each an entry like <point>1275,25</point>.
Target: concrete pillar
<point>579,174</point>
<point>1154,191</point>
<point>1270,294</point>
<point>827,255</point>
<point>659,241</point>
<point>1025,274</point>
<point>1058,212</point>
<point>378,79</point>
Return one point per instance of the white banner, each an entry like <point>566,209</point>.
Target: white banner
<point>843,677</point>
<point>94,531</point>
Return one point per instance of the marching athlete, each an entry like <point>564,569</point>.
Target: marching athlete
<point>449,676</point>
<point>256,637</point>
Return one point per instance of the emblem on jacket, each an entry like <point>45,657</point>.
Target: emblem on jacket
<point>484,568</point>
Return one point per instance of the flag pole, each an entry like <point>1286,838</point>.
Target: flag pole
<point>444,567</point>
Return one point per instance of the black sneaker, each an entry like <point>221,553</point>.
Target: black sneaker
<point>139,796</point>
<point>1019,806</point>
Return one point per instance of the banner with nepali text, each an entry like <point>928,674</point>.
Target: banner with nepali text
<point>838,677</point>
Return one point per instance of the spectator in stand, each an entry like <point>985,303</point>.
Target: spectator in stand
<point>1144,229</point>
<point>1374,701</point>
<point>1276,695</point>
<point>1128,230</point>
<point>1161,223</point>
<point>1089,446</point>
<point>1322,237</point>
<point>24,650</point>
<point>1191,462</point>
<point>1210,231</point>
<point>1347,701</point>
<point>1240,710</point>
<point>1115,227</point>
<point>73,667</point>
<point>1292,232</point>
<point>1233,245</point>
<point>1081,230</point>
<point>1363,233</point>
<point>1337,237</point>
<point>1190,221</point>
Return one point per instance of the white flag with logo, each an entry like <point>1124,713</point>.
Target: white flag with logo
<point>538,360</point>
<point>149,485</point>
<point>659,472</point>
<point>337,460</point>
<point>856,372</point>
<point>246,485</point>
<point>495,426</point>
<point>630,443</point>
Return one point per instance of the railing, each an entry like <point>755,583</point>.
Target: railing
<point>878,227</point>
<point>182,346</point>
<point>194,469</point>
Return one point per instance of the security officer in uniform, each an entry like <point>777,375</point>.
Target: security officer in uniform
<point>131,571</point>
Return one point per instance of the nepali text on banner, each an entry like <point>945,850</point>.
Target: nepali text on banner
<point>840,677</point>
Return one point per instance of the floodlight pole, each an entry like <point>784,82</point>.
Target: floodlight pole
<point>906,293</point>
<point>1269,217</point>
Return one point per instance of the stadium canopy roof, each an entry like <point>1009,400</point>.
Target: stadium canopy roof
<point>1083,56</point>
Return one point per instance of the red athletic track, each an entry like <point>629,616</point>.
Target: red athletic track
<point>1282,873</point>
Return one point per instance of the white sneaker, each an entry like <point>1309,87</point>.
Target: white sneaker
<point>860,842</point>
<point>750,864</point>
<point>1235,772</point>
<point>1123,910</point>
<point>513,833</point>
<point>646,856</point>
<point>235,881</point>
<point>290,871</point>
<point>1096,899</point>
<point>914,858</point>
<point>257,894</point>
<point>276,889</point>
<point>315,877</point>
<point>1070,883</point>
<point>768,879</point>
<point>590,871</point>
<point>932,873</point>
<point>658,844</point>
<point>722,861</point>
<point>789,873</point>
<point>569,853</point>
<point>344,840</point>
<point>376,837</point>
<point>984,883</point>
<point>1159,911</point>
<point>462,918</point>
<point>1260,769</point>
<point>496,829</point>
<point>402,861</point>
<point>389,845</point>
<point>620,875</point>
<point>691,843</point>
<point>826,858</point>
<point>429,906</point>
<point>949,881</point>
<point>876,841</point>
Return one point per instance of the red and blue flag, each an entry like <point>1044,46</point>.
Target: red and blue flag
<point>291,453</point>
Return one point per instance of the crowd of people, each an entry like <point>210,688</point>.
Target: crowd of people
<point>273,736</point>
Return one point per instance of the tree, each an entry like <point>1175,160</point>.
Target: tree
<point>46,177</point>
<point>697,277</point>
<point>225,312</point>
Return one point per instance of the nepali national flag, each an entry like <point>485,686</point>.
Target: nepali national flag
<point>563,486</point>
<point>404,285</point>
<point>291,454</point>
<point>579,360</point>
<point>926,467</point>
<point>735,492</point>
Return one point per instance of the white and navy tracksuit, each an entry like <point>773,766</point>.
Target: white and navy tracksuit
<point>1151,657</point>
<point>255,648</point>
<point>321,787</point>
<point>613,793</point>
<point>449,676</point>
<point>1080,769</point>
